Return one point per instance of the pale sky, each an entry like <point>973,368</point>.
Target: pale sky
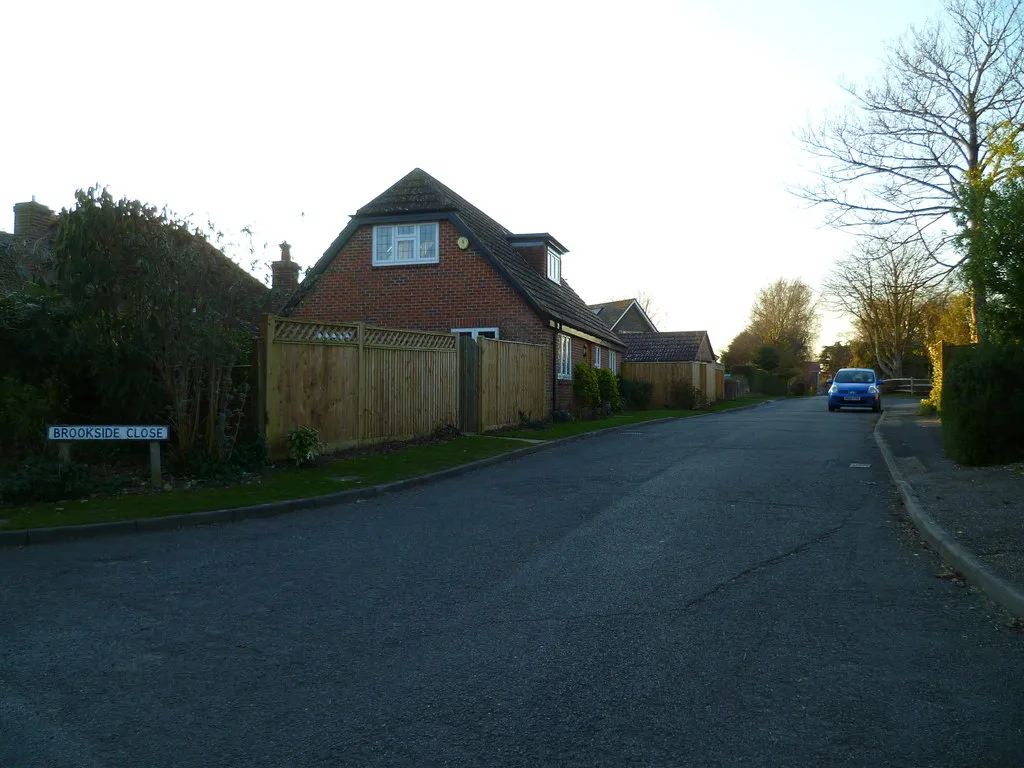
<point>655,140</point>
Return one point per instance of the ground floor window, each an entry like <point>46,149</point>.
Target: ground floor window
<point>612,362</point>
<point>477,333</point>
<point>597,356</point>
<point>564,356</point>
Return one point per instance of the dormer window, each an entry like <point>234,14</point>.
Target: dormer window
<point>554,265</point>
<point>395,244</point>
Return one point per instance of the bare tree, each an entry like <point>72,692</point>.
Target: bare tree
<point>649,306</point>
<point>786,313</point>
<point>886,289</point>
<point>908,151</point>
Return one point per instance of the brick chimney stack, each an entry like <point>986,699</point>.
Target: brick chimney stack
<point>285,277</point>
<point>33,220</point>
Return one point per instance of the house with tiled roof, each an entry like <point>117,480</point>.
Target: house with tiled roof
<point>420,256</point>
<point>670,347</point>
<point>624,316</point>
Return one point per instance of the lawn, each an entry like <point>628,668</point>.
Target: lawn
<point>293,483</point>
<point>556,431</point>
<point>281,485</point>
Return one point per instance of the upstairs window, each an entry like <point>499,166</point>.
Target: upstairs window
<point>554,266</point>
<point>404,244</point>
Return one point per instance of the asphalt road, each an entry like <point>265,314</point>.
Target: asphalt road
<point>734,589</point>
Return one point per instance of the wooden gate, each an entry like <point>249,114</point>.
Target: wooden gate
<point>499,383</point>
<point>469,385</point>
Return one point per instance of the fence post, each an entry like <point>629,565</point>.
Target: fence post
<point>361,379</point>
<point>265,376</point>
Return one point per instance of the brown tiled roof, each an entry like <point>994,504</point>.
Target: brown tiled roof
<point>665,347</point>
<point>420,193</point>
<point>610,312</point>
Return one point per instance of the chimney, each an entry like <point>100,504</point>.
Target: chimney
<point>33,220</point>
<point>285,277</point>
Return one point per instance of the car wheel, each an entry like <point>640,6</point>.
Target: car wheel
<point>831,409</point>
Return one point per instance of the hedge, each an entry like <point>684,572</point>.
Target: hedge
<point>982,408</point>
<point>760,381</point>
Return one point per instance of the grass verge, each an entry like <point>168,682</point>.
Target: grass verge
<point>557,431</point>
<point>281,485</point>
<point>292,483</point>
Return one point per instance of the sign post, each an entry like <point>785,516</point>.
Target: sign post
<point>65,434</point>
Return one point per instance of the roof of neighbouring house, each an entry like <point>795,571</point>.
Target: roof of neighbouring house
<point>420,193</point>
<point>611,311</point>
<point>665,347</point>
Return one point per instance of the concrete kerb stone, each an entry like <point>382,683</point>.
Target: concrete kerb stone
<point>237,514</point>
<point>950,550</point>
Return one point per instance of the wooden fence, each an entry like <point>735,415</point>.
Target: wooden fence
<point>499,381</point>
<point>357,383</point>
<point>709,378</point>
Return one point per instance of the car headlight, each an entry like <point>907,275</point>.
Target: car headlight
<point>833,389</point>
<point>872,390</point>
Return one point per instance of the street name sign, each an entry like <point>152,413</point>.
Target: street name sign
<point>109,432</point>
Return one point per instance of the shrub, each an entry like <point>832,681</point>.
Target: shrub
<point>585,386</point>
<point>636,394</point>
<point>25,411</point>
<point>686,397</point>
<point>563,417</point>
<point>44,479</point>
<point>927,408</point>
<point>608,385</point>
<point>304,445</point>
<point>760,381</point>
<point>982,412</point>
<point>798,388</point>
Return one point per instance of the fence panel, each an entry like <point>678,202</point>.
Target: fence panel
<point>356,383</point>
<point>709,378</point>
<point>663,376</point>
<point>512,377</point>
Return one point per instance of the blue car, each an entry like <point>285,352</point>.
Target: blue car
<point>855,388</point>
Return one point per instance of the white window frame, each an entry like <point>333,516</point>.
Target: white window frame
<point>612,361</point>
<point>393,261</point>
<point>475,332</point>
<point>564,357</point>
<point>554,266</point>
<point>597,355</point>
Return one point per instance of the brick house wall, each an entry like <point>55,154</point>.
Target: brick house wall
<point>463,290</point>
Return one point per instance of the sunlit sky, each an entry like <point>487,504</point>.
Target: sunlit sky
<point>655,140</point>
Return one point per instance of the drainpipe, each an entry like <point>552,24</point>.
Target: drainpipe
<point>554,369</point>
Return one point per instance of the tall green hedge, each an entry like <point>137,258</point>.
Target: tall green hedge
<point>982,405</point>
<point>760,381</point>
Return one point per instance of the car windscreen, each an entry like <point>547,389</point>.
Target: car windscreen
<point>855,377</point>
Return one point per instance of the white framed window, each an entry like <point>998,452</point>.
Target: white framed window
<point>477,333</point>
<point>554,266</point>
<point>395,244</point>
<point>612,362</point>
<point>564,356</point>
<point>597,356</point>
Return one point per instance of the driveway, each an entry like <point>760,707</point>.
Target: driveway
<point>735,589</point>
